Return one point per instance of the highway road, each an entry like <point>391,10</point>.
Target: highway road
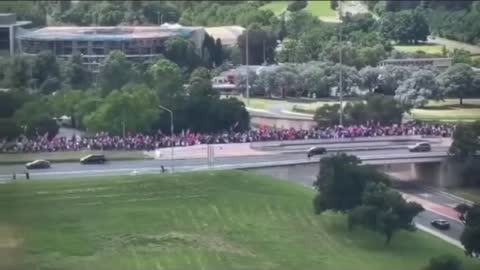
<point>75,169</point>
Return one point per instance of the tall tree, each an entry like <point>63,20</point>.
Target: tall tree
<point>71,102</point>
<point>18,74</point>
<point>167,79</point>
<point>341,183</point>
<point>392,77</point>
<point>182,52</point>
<point>404,26</point>
<point>261,45</point>
<point>200,83</point>
<point>350,78</point>
<point>465,140</point>
<point>457,81</point>
<point>370,78</point>
<point>314,79</point>
<point>75,74</point>
<point>116,72</point>
<point>327,115</point>
<point>470,238</point>
<point>384,210</point>
<point>418,90</point>
<point>45,65</point>
<point>132,109</point>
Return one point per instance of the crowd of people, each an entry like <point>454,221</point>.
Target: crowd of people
<point>105,141</point>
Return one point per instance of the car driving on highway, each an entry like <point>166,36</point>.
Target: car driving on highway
<point>93,159</point>
<point>38,164</point>
<point>420,147</point>
<point>440,224</point>
<point>316,150</point>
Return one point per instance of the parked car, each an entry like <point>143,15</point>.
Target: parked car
<point>38,164</point>
<point>316,150</point>
<point>93,159</point>
<point>440,224</point>
<point>420,147</point>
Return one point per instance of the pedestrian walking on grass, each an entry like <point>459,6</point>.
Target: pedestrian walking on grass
<point>27,175</point>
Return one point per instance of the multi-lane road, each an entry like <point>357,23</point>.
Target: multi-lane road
<point>288,153</point>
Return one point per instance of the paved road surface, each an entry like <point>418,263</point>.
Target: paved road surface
<point>75,169</point>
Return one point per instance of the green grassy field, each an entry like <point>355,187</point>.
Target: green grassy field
<point>449,110</point>
<point>316,8</point>
<point>320,9</point>
<point>208,220</point>
<point>276,7</point>
<point>261,103</point>
<point>427,48</point>
<point>9,158</point>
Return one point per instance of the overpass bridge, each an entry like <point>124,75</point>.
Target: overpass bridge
<point>432,168</point>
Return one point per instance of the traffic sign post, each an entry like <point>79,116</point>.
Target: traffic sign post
<point>210,155</point>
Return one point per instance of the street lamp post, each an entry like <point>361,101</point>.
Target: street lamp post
<point>341,77</point>
<point>248,84</point>
<point>171,134</point>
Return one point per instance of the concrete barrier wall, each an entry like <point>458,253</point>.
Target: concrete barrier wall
<point>257,121</point>
<point>440,174</point>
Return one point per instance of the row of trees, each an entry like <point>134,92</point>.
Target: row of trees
<point>456,20</point>
<point>364,195</point>
<point>461,25</point>
<point>127,100</point>
<point>376,108</point>
<point>411,86</point>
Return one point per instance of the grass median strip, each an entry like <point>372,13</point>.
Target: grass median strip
<point>207,220</point>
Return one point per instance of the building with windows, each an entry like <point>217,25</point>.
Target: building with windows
<point>441,63</point>
<point>10,28</point>
<point>94,43</point>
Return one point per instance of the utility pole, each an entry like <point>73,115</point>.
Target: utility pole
<point>264,57</point>
<point>171,137</point>
<point>248,84</point>
<point>341,77</point>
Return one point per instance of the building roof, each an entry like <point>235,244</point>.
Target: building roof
<point>109,33</point>
<point>227,34</point>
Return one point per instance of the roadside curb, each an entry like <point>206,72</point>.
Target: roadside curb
<point>439,235</point>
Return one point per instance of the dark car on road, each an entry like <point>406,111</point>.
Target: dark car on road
<point>93,159</point>
<point>420,147</point>
<point>440,224</point>
<point>316,150</point>
<point>38,164</point>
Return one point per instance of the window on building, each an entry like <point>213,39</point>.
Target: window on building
<point>4,38</point>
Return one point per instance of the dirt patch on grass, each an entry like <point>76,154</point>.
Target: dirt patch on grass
<point>173,240</point>
<point>11,247</point>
